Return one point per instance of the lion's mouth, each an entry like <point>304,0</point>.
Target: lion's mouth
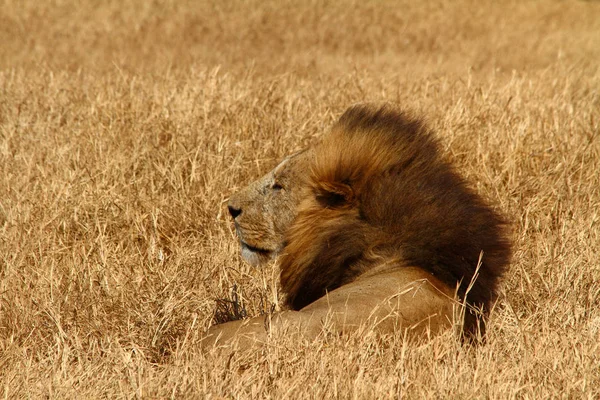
<point>254,249</point>
<point>255,255</point>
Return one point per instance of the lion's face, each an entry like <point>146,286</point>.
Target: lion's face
<point>264,210</point>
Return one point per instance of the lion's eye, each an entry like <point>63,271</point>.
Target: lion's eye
<point>276,186</point>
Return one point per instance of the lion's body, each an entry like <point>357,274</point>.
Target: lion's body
<point>383,229</point>
<point>406,299</point>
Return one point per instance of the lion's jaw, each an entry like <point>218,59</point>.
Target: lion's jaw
<point>255,256</point>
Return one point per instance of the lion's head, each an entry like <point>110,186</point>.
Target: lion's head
<point>263,210</point>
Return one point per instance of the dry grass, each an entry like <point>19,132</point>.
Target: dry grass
<point>124,126</point>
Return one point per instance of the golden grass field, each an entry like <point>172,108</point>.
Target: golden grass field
<point>125,126</point>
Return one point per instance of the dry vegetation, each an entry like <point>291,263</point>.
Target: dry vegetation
<point>125,125</point>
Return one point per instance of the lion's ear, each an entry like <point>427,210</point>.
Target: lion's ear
<point>334,194</point>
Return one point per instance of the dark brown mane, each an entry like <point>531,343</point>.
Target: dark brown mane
<point>379,191</point>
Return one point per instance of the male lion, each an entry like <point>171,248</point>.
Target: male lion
<point>372,225</point>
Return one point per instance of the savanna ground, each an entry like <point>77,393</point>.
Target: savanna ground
<point>124,127</point>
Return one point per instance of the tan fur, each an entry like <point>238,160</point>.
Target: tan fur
<point>383,231</point>
<point>264,210</point>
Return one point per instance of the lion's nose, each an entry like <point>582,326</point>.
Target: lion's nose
<point>234,211</point>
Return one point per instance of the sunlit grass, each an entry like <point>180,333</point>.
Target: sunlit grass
<point>124,127</point>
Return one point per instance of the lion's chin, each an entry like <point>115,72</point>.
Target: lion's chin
<point>254,255</point>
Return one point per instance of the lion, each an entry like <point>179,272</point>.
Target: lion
<point>371,226</point>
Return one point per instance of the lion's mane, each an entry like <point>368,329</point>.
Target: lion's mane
<point>379,193</point>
